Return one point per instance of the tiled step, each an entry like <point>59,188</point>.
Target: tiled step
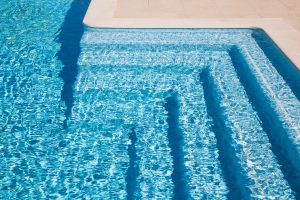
<point>250,142</point>
<point>201,155</point>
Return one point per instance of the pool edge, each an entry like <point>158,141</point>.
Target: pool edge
<point>285,37</point>
<point>102,14</point>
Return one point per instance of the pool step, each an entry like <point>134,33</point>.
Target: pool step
<point>152,130</point>
<point>165,56</point>
<point>250,142</point>
<point>226,154</point>
<point>203,168</point>
<point>142,112</point>
<point>277,111</point>
<point>99,143</point>
<point>234,173</point>
<point>155,161</point>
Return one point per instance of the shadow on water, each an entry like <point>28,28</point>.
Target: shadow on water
<point>133,169</point>
<point>176,144</point>
<point>69,38</point>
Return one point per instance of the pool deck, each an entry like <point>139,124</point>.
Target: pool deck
<point>279,18</point>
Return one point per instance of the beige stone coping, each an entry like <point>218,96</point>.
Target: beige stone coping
<point>165,14</point>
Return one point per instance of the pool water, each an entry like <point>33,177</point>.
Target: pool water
<point>143,113</point>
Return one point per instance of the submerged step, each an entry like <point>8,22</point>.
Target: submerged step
<point>271,113</point>
<point>152,82</point>
<point>144,56</point>
<point>249,141</point>
<point>233,172</point>
<point>282,99</point>
<point>203,169</point>
<point>279,61</point>
<point>99,145</point>
<point>153,149</point>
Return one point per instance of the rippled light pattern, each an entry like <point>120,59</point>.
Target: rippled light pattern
<point>157,113</point>
<point>30,107</point>
<point>138,70</point>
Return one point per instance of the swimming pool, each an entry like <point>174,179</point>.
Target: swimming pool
<point>144,113</point>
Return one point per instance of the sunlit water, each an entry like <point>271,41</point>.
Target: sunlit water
<point>142,114</point>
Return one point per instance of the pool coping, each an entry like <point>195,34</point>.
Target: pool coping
<point>100,14</point>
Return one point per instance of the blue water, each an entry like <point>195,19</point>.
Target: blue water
<point>142,113</point>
